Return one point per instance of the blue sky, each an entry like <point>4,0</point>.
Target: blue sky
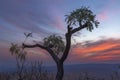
<point>45,17</point>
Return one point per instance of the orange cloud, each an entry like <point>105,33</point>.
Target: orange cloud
<point>102,58</point>
<point>100,51</point>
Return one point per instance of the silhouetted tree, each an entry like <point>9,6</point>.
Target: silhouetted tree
<point>55,46</point>
<point>19,54</point>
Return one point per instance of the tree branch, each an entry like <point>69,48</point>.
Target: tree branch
<point>33,46</point>
<point>67,48</point>
<point>50,51</point>
<point>68,44</point>
<point>79,28</point>
<point>68,40</point>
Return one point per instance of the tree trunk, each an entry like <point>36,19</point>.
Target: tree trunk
<point>60,71</point>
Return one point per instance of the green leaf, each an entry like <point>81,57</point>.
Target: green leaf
<point>54,42</point>
<point>17,51</point>
<point>82,16</point>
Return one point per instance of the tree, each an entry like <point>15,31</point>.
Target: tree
<point>54,45</point>
<point>19,54</point>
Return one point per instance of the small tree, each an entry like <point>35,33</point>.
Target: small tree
<point>19,54</point>
<point>55,46</point>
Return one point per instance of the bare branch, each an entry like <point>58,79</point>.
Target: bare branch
<point>78,29</point>
<point>33,46</point>
<point>68,40</point>
<point>67,48</point>
<point>50,51</point>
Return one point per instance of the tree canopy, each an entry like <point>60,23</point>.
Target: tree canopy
<point>82,16</point>
<point>55,43</point>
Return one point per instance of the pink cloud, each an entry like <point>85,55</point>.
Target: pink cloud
<point>102,16</point>
<point>59,23</point>
<point>109,10</point>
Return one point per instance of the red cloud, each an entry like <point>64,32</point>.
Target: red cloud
<point>104,50</point>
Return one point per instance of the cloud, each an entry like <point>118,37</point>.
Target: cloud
<point>111,8</point>
<point>99,51</point>
<point>45,16</point>
<point>36,16</point>
<point>102,16</point>
<point>31,15</point>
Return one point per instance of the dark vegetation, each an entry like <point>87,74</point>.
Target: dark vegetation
<point>38,72</point>
<point>58,48</point>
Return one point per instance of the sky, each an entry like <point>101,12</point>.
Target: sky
<point>46,17</point>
